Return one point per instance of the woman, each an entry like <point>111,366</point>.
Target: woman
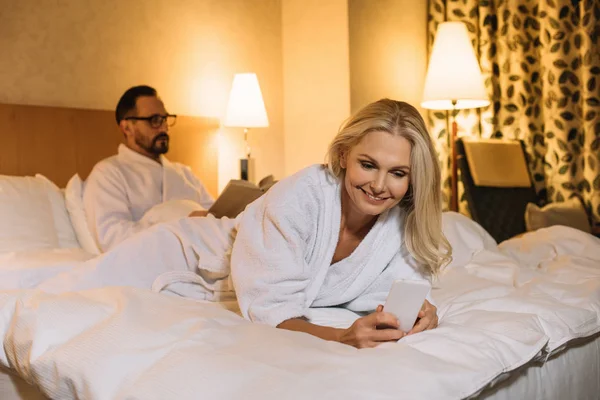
<point>336,236</point>
<point>339,236</point>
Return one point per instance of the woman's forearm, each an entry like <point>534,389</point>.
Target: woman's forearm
<point>301,325</point>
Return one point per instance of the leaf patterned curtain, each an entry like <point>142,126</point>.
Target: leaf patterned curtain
<point>541,64</point>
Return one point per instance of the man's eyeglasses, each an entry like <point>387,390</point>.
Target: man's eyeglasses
<point>156,120</point>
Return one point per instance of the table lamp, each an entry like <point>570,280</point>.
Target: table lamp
<point>246,109</point>
<point>453,82</point>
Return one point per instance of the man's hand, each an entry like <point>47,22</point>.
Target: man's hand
<point>199,213</point>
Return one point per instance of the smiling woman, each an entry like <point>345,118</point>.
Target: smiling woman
<point>395,134</point>
<point>341,235</point>
<point>377,172</point>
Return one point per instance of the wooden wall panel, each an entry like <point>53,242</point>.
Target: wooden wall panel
<point>58,142</point>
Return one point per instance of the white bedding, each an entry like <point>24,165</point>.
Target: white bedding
<point>499,311</point>
<point>28,269</point>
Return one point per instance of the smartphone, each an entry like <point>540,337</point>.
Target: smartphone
<point>405,300</point>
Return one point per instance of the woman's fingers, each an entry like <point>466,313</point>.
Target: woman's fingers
<point>427,318</point>
<point>380,326</point>
<point>434,323</point>
<point>421,325</point>
<point>384,320</point>
<point>387,335</point>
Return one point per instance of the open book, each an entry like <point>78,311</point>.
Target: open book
<point>237,195</point>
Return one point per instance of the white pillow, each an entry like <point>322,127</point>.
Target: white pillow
<point>67,239</point>
<point>466,237</point>
<point>74,201</point>
<point>27,221</point>
<point>569,213</point>
<point>170,210</point>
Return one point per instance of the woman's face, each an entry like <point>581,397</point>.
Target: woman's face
<point>377,172</point>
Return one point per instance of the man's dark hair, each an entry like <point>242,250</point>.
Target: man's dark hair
<point>129,98</point>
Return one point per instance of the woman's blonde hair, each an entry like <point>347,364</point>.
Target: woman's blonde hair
<point>422,203</point>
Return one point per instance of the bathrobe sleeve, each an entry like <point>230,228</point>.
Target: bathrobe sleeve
<point>107,208</point>
<point>268,265</point>
<point>205,199</point>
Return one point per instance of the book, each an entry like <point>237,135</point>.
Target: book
<point>237,195</point>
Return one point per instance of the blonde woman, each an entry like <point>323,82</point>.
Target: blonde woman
<point>339,235</point>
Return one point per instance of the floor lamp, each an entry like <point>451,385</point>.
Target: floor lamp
<point>246,109</point>
<point>454,82</point>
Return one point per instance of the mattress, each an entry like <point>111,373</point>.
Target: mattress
<point>571,374</point>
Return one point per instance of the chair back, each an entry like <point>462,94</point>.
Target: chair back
<point>496,200</point>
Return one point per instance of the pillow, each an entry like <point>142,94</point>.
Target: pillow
<point>74,202</point>
<point>569,213</point>
<point>26,215</point>
<point>466,237</point>
<point>67,238</point>
<point>170,210</point>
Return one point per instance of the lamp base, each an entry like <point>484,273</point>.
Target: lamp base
<point>454,176</point>
<point>244,169</point>
<point>247,169</point>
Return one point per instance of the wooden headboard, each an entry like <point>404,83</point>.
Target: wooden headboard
<point>59,142</point>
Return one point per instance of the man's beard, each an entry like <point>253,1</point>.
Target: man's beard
<point>156,146</point>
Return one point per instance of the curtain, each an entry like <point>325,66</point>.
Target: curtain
<point>541,64</point>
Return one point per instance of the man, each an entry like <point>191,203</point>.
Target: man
<point>122,188</point>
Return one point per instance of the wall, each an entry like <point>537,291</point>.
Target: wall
<point>315,77</point>
<point>315,60</point>
<point>85,53</point>
<point>388,50</point>
<point>340,55</point>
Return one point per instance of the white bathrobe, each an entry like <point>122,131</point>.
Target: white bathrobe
<point>281,258</point>
<point>122,188</point>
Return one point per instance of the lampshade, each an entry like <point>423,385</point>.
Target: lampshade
<point>453,72</point>
<point>246,108</point>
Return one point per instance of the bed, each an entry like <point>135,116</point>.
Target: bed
<point>511,317</point>
<point>517,320</point>
<point>45,147</point>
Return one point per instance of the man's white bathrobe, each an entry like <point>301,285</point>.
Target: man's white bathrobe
<point>122,188</point>
<point>281,258</point>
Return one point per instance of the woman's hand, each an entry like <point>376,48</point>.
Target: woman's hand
<point>372,330</point>
<point>427,318</point>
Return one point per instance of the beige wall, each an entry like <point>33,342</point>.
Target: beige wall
<point>85,53</point>
<point>315,77</point>
<point>388,50</point>
<point>315,60</point>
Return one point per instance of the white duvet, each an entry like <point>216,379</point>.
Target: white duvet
<point>499,309</point>
<point>28,269</point>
